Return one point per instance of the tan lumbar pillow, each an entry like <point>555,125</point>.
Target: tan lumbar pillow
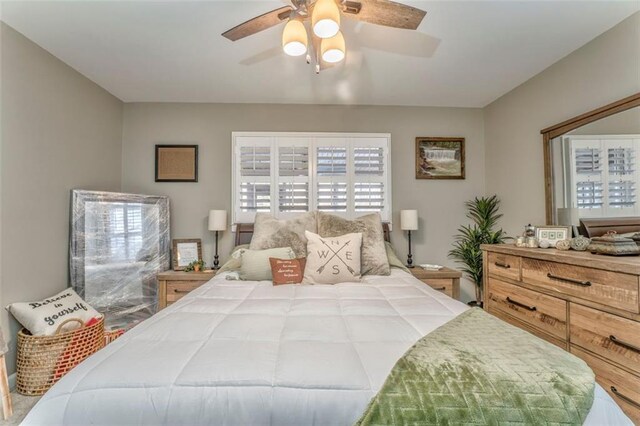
<point>332,260</point>
<point>255,263</point>
<point>42,318</point>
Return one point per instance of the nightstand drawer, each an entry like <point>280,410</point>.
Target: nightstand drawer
<point>609,288</point>
<point>504,265</point>
<point>443,285</point>
<point>178,289</point>
<point>546,313</point>
<point>623,387</point>
<point>610,336</point>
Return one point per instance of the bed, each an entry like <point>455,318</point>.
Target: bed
<point>249,353</point>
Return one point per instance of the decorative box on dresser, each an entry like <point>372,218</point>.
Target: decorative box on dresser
<point>584,303</point>
<point>446,280</point>
<point>174,285</point>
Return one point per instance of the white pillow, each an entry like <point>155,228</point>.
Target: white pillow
<point>42,318</point>
<point>332,260</point>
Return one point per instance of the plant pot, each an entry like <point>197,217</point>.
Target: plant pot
<point>196,268</point>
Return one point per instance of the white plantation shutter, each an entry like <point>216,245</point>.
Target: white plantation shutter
<point>253,190</point>
<point>293,175</point>
<point>604,172</point>
<point>287,174</point>
<point>332,189</point>
<point>370,176</point>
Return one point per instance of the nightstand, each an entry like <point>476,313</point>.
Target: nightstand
<point>445,280</point>
<point>174,285</point>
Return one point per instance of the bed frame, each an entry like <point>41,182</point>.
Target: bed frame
<point>597,227</point>
<point>244,232</point>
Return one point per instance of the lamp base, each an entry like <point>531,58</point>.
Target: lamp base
<point>410,266</point>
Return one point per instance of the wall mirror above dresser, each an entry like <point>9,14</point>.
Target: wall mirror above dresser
<point>592,164</point>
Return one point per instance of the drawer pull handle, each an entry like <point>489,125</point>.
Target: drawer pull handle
<point>624,397</point>
<point>439,288</point>
<point>617,341</point>
<point>502,265</point>
<point>522,305</point>
<point>175,290</point>
<point>569,280</point>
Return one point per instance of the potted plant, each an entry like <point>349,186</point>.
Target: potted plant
<point>195,266</point>
<point>483,212</point>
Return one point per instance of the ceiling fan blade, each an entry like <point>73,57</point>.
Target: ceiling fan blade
<point>258,23</point>
<point>384,12</point>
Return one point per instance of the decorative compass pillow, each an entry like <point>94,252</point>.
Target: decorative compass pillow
<point>42,318</point>
<point>332,260</point>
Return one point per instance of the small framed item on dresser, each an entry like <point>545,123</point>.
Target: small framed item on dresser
<point>184,252</point>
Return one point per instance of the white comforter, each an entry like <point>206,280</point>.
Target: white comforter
<point>249,353</point>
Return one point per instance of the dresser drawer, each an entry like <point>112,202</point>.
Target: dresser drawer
<point>524,326</point>
<point>443,285</point>
<point>176,290</point>
<point>504,265</point>
<point>623,387</point>
<point>547,313</point>
<point>604,287</point>
<point>610,336</point>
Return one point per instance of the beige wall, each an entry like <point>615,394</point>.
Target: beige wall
<point>59,131</point>
<point>622,123</point>
<point>440,203</point>
<point>603,71</point>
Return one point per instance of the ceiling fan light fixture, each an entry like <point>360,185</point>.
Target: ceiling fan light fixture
<point>332,50</point>
<point>294,38</point>
<point>325,18</point>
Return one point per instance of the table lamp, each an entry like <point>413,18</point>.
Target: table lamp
<point>409,222</point>
<point>217,223</point>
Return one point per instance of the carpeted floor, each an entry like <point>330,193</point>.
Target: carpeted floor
<point>21,407</point>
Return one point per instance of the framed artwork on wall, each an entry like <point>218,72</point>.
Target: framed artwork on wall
<point>184,252</point>
<point>176,163</point>
<point>439,158</point>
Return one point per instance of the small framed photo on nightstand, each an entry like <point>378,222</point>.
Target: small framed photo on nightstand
<point>553,234</point>
<point>184,252</point>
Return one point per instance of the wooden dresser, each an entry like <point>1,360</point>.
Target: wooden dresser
<point>584,303</point>
<point>446,280</point>
<point>173,285</point>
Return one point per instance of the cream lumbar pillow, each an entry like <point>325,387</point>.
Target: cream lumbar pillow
<point>42,318</point>
<point>332,260</point>
<point>255,263</point>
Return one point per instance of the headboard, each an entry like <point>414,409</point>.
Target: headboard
<point>597,227</point>
<point>244,231</point>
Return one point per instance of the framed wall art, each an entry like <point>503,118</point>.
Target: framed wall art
<point>176,163</point>
<point>439,158</point>
<point>184,252</point>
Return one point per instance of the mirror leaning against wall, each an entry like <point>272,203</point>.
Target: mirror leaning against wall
<point>592,165</point>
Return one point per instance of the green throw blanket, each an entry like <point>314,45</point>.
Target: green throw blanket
<point>476,370</point>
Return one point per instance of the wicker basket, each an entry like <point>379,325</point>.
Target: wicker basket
<point>43,360</point>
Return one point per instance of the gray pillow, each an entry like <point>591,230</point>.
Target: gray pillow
<point>374,254</point>
<point>269,232</point>
<point>255,263</point>
<point>394,260</point>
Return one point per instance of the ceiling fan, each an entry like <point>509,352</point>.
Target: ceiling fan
<point>327,45</point>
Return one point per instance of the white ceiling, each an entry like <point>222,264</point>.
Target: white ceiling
<point>464,54</point>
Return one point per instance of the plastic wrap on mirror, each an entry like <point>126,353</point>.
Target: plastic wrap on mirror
<point>118,244</point>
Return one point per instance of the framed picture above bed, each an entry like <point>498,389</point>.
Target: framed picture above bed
<point>439,158</point>
<point>184,252</point>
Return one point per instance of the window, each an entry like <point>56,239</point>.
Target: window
<point>604,175</point>
<point>290,173</point>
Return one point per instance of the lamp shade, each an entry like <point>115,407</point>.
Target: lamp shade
<point>294,38</point>
<point>325,18</point>
<point>409,220</point>
<point>217,220</point>
<point>568,216</point>
<point>332,49</point>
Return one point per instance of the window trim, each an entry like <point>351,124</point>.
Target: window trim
<point>312,178</point>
